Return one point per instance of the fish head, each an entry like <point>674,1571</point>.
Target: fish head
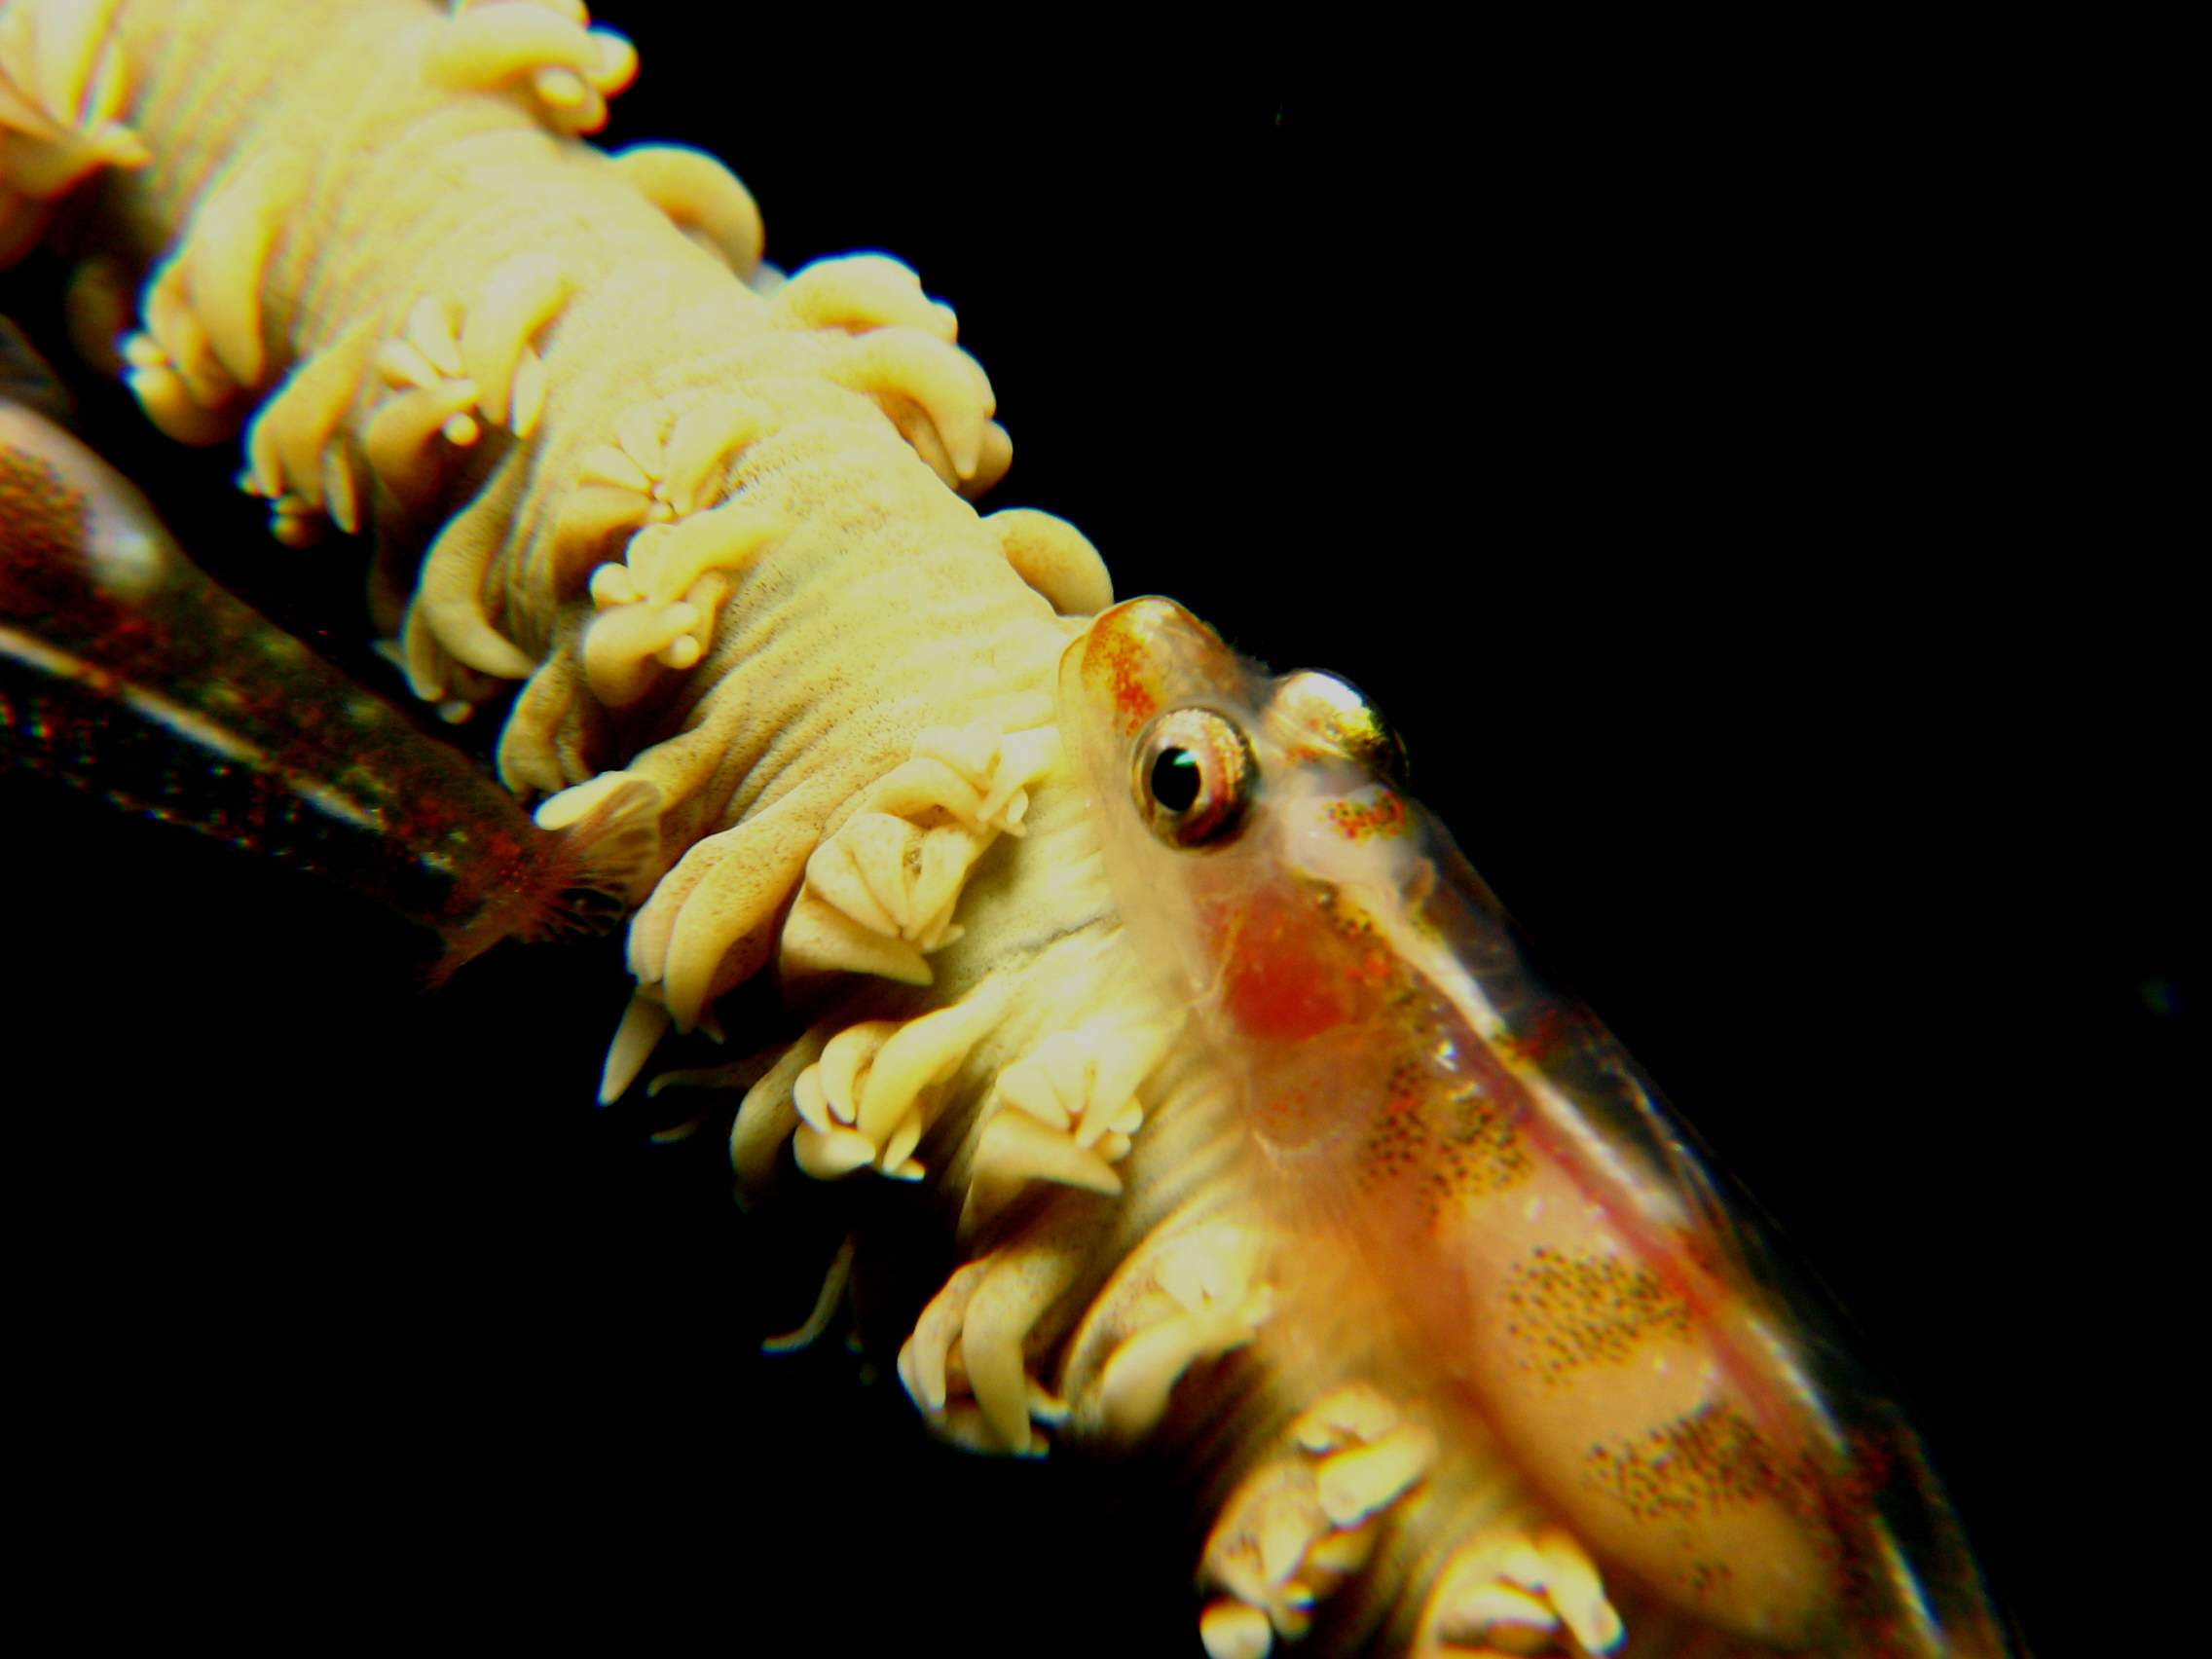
<point>1255,830</point>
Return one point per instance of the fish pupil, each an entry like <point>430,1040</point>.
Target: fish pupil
<point>1175,780</point>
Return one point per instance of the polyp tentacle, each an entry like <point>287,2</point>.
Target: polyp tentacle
<point>570,69</point>
<point>1517,1589</point>
<point>226,259</point>
<point>1055,558</point>
<point>1063,1114</point>
<point>517,299</point>
<point>63,89</point>
<point>967,1363</point>
<point>858,293</point>
<point>703,197</point>
<point>290,443</point>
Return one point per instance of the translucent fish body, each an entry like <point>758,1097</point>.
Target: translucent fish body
<point>1485,1191</point>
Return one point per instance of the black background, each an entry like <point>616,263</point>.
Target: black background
<point>1739,469</point>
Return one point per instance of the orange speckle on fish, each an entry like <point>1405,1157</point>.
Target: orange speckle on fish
<point>1379,814</point>
<point>1123,669</point>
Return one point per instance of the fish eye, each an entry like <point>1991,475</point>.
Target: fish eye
<point>1194,778</point>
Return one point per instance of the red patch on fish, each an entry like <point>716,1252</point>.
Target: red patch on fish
<point>1283,975</point>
